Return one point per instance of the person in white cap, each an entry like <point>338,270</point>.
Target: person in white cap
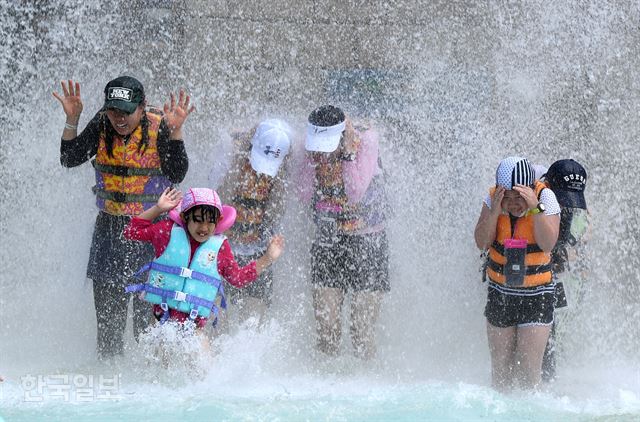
<point>344,183</point>
<point>519,225</point>
<point>255,186</point>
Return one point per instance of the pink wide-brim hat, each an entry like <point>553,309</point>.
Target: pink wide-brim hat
<point>205,196</point>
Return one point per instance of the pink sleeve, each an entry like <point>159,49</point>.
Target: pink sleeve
<point>358,173</point>
<point>157,234</point>
<point>228,268</point>
<point>139,229</point>
<point>306,181</point>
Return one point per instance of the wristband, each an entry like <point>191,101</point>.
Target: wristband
<point>68,126</point>
<point>537,210</point>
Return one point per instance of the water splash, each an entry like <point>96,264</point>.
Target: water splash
<point>462,87</point>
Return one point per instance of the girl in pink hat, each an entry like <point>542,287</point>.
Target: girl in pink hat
<point>192,255</point>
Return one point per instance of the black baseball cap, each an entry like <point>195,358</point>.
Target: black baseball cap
<point>568,179</point>
<point>124,93</point>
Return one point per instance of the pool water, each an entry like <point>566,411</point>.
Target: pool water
<point>253,376</point>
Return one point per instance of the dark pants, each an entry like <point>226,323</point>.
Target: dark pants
<point>112,262</point>
<point>111,314</point>
<point>261,289</point>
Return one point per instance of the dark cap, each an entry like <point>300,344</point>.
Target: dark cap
<point>326,115</point>
<point>123,93</point>
<point>568,179</point>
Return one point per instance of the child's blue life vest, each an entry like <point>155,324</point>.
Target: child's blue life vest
<point>173,283</point>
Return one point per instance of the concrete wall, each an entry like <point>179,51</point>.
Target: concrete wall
<point>284,55</point>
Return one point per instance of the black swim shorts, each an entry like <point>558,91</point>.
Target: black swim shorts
<point>519,307</point>
<point>353,262</point>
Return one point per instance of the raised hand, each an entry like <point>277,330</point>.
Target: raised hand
<point>275,248</point>
<point>70,100</point>
<point>496,200</point>
<point>175,114</point>
<point>528,195</point>
<point>169,199</point>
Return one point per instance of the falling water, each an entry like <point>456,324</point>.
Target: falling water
<point>456,86</point>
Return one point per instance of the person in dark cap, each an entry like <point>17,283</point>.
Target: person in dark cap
<point>137,151</point>
<point>518,225</point>
<point>344,183</point>
<point>568,180</point>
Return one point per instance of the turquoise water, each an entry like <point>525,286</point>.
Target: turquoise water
<point>428,401</point>
<point>262,374</point>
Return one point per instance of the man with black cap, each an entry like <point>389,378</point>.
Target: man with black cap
<point>568,179</point>
<point>137,152</point>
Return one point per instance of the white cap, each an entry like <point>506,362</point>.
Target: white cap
<point>271,144</point>
<point>324,138</point>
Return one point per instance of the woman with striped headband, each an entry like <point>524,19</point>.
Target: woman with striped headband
<point>519,225</point>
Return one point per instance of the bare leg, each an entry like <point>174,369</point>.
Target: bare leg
<point>502,345</point>
<point>532,341</point>
<point>327,305</point>
<point>205,344</point>
<point>549,357</point>
<point>365,309</point>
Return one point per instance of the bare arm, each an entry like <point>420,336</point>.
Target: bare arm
<point>169,199</point>
<point>274,250</point>
<point>485,232</point>
<point>545,230</point>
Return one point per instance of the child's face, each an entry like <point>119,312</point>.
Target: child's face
<point>513,203</point>
<point>200,228</point>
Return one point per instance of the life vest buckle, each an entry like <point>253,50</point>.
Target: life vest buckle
<point>185,272</point>
<point>164,306</point>
<point>180,296</point>
<point>194,313</point>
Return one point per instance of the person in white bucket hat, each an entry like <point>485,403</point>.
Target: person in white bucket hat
<point>251,177</point>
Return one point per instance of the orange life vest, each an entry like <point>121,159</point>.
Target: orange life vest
<point>330,197</point>
<point>130,180</point>
<point>537,262</point>
<point>250,201</point>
